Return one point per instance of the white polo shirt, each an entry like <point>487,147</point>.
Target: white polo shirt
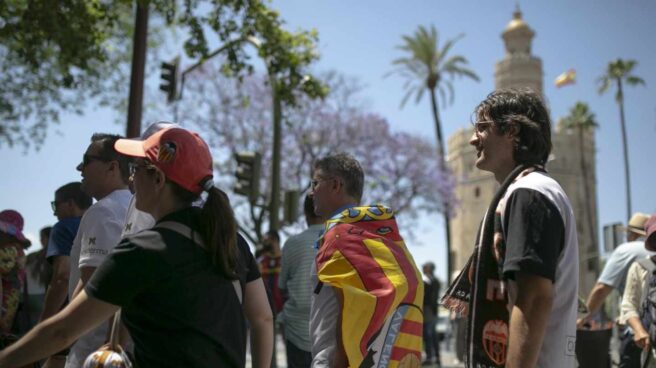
<point>99,232</point>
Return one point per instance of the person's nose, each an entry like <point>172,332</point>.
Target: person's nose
<point>79,167</point>
<point>474,140</point>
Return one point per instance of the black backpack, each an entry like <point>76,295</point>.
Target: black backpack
<point>648,304</point>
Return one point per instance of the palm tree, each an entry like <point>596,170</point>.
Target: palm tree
<point>619,72</point>
<point>426,68</point>
<point>582,120</point>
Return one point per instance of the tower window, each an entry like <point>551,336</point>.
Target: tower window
<point>477,192</point>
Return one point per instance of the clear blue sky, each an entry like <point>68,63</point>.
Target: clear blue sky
<point>358,38</point>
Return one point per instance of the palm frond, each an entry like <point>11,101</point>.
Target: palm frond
<point>419,94</point>
<point>449,44</point>
<point>632,80</point>
<point>604,84</point>
<point>449,86</point>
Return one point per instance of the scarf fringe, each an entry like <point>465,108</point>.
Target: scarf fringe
<point>455,305</point>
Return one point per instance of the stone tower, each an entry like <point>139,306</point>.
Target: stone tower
<point>572,163</point>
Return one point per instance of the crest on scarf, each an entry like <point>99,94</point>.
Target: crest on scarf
<point>166,152</point>
<point>495,340</point>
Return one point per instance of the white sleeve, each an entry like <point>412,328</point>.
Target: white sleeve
<point>101,235</point>
<point>632,297</point>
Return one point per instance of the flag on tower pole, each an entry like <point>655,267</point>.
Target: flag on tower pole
<point>569,77</point>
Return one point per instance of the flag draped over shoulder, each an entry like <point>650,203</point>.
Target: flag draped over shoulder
<point>363,255</point>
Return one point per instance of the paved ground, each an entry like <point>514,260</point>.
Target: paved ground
<point>448,358</point>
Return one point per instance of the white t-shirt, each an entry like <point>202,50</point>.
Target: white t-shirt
<point>136,220</point>
<point>99,232</point>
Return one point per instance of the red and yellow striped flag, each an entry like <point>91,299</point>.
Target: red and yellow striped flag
<point>569,77</point>
<point>363,255</point>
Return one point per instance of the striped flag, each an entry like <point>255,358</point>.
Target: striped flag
<point>569,77</point>
<point>363,255</point>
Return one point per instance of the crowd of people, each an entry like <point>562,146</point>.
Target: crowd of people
<point>160,251</point>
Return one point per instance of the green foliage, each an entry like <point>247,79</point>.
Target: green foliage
<point>580,117</point>
<point>619,71</point>
<point>57,54</point>
<point>426,66</point>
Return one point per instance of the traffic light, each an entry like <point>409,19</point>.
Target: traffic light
<point>248,174</point>
<point>170,79</point>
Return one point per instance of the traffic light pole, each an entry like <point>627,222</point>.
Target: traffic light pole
<point>274,210</point>
<point>138,65</point>
<point>274,205</point>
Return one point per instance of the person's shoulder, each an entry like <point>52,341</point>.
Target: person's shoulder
<point>146,240</point>
<point>118,199</point>
<point>97,212</point>
<point>540,186</point>
<point>66,224</point>
<point>632,248</point>
<point>538,181</point>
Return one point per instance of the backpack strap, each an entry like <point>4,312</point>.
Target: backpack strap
<point>195,237</point>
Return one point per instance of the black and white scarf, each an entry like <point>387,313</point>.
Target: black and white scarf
<point>479,291</point>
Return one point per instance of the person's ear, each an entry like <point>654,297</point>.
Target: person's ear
<point>159,179</point>
<point>512,130</point>
<point>114,166</point>
<point>337,184</point>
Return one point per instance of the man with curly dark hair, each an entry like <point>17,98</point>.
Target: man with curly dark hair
<point>520,286</point>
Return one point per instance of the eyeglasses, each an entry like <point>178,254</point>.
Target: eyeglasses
<point>481,126</point>
<point>54,204</point>
<point>87,159</point>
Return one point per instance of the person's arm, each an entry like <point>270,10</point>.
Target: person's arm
<point>85,275</point>
<point>630,307</point>
<point>598,294</point>
<point>528,319</point>
<point>260,318</point>
<point>58,288</point>
<point>57,332</point>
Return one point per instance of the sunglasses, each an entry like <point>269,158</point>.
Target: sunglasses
<point>136,166</point>
<point>87,159</point>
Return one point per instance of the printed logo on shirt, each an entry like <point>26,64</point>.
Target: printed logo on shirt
<point>570,349</point>
<point>495,340</point>
<point>92,241</point>
<point>98,251</point>
<point>128,226</point>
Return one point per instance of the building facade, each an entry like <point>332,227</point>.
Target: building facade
<point>572,163</point>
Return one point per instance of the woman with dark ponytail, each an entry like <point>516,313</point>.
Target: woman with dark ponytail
<point>186,287</point>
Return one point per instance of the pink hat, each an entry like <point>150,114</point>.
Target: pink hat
<point>11,222</point>
<point>650,230</point>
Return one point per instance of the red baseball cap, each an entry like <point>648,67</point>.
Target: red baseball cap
<point>180,154</point>
<point>650,230</point>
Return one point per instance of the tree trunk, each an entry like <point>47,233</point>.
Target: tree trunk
<point>627,176</point>
<point>446,207</point>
